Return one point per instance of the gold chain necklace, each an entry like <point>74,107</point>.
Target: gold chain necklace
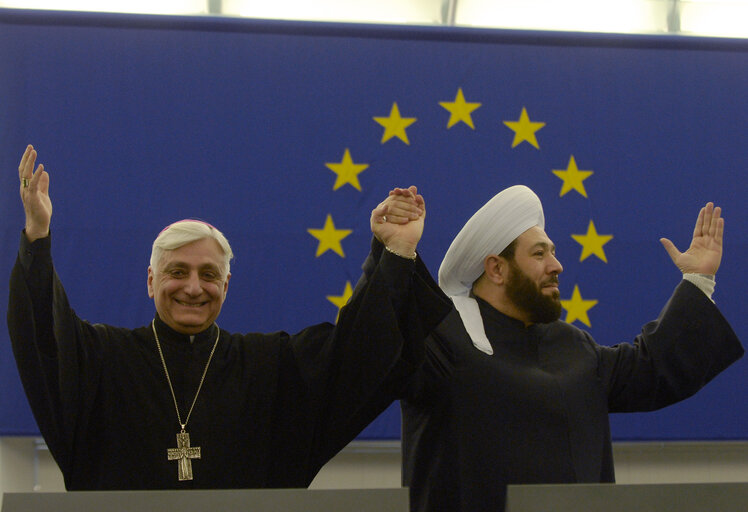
<point>184,453</point>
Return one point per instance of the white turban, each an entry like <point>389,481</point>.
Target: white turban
<point>490,230</point>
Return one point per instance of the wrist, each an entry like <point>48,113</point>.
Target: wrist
<point>407,253</point>
<point>35,234</point>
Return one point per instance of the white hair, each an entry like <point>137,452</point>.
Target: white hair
<point>184,232</point>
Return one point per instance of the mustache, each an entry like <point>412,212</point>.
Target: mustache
<point>552,280</point>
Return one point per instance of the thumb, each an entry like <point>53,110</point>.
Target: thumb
<point>670,248</point>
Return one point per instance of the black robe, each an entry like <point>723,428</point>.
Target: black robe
<point>536,411</point>
<point>273,408</point>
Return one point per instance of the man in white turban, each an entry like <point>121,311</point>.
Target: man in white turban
<point>509,394</point>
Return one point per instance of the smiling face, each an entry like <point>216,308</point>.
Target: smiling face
<point>532,284</point>
<point>189,285</point>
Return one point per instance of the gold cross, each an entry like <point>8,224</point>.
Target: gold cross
<point>183,453</point>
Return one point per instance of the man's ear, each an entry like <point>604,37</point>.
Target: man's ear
<point>496,269</point>
<point>150,282</point>
<point>226,285</point>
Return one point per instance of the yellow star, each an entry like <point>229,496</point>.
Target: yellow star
<point>329,237</point>
<point>524,130</point>
<point>341,300</point>
<point>576,308</point>
<point>592,243</point>
<point>394,126</point>
<point>347,171</point>
<point>459,110</point>
<point>573,178</point>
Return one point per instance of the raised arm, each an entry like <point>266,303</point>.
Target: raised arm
<point>34,190</point>
<point>705,253</point>
<point>366,361</point>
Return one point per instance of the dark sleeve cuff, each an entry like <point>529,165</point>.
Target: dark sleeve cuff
<point>377,248</point>
<point>398,264</point>
<point>397,271</point>
<point>717,331</point>
<point>31,252</point>
<point>372,260</point>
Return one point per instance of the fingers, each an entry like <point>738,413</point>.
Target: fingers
<point>411,191</point>
<point>719,231</point>
<point>716,230</point>
<point>24,158</point>
<point>402,205</point>
<point>707,218</point>
<point>710,223</point>
<point>36,182</point>
<point>31,180</point>
<point>399,212</point>
<point>715,221</point>
<point>26,166</point>
<point>672,251</point>
<point>699,227</point>
<point>379,214</point>
<point>396,215</point>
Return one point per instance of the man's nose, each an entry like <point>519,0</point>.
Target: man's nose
<point>192,284</point>
<point>555,266</point>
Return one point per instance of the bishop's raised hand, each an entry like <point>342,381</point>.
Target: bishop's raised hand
<point>34,190</point>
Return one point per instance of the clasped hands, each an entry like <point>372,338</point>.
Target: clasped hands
<point>398,221</point>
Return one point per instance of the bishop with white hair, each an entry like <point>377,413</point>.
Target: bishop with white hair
<point>180,403</point>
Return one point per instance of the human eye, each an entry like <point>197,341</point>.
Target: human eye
<point>211,275</point>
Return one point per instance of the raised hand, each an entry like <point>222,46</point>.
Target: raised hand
<point>34,189</point>
<point>398,220</point>
<point>705,253</point>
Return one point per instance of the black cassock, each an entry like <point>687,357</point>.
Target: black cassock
<point>536,411</point>
<point>273,408</point>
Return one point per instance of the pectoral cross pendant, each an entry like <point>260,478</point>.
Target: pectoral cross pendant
<point>183,454</point>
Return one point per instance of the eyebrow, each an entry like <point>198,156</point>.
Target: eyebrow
<point>543,245</point>
<point>176,264</point>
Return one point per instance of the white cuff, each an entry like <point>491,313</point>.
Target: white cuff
<point>704,282</point>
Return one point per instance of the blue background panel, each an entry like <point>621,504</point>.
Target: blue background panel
<point>143,120</point>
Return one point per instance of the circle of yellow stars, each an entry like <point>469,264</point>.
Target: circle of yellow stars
<point>460,111</point>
